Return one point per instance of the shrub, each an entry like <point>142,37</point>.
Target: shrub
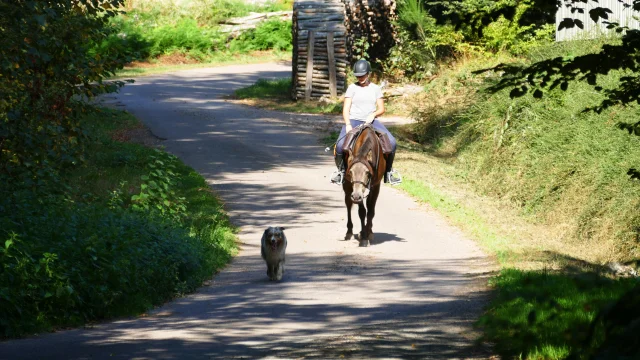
<point>42,74</point>
<point>97,250</point>
<point>272,34</point>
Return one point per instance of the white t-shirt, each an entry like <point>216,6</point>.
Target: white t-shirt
<point>363,100</point>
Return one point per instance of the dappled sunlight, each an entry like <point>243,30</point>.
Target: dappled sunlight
<point>418,314</point>
<point>413,293</point>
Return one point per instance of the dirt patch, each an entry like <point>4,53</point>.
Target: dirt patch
<point>183,59</point>
<point>137,135</point>
<point>171,59</point>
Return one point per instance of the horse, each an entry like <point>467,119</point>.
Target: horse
<point>364,170</point>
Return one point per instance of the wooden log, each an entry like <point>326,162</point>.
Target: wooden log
<point>332,65</point>
<point>314,8</point>
<point>308,83</point>
<point>325,17</point>
<point>325,83</point>
<point>339,53</point>
<point>304,34</point>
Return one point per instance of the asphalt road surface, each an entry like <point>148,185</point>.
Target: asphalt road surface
<point>414,293</point>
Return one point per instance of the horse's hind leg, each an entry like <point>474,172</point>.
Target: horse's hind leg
<point>364,234</point>
<point>371,210</point>
<point>349,203</point>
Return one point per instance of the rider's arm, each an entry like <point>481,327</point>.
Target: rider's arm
<point>346,109</point>
<point>379,111</point>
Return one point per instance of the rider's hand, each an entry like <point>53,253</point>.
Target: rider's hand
<point>370,119</point>
<point>348,128</point>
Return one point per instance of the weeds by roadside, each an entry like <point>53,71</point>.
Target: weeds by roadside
<point>137,228</point>
<point>276,95</point>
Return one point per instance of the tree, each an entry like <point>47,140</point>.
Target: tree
<point>549,74</point>
<point>46,62</point>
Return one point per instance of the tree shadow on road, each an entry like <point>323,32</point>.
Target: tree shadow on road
<point>384,308</point>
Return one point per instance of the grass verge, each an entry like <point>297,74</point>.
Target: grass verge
<point>276,95</point>
<point>136,228</point>
<point>545,300</point>
<point>543,187</point>
<point>166,64</point>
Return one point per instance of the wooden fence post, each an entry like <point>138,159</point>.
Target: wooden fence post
<point>332,65</point>
<point>309,80</point>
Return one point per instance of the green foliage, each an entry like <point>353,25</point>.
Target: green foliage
<point>143,39</point>
<point>91,253</point>
<point>563,167</point>
<point>543,315</point>
<point>143,35</point>
<point>207,13</point>
<point>421,43</point>
<point>185,36</point>
<point>509,34</point>
<point>46,62</point>
<point>430,32</point>
<point>276,94</point>
<point>264,88</point>
<point>157,192</point>
<point>272,34</point>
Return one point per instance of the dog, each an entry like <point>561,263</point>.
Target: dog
<point>274,244</point>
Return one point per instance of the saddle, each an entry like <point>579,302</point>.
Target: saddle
<point>352,136</point>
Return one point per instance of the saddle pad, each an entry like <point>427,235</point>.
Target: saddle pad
<point>352,136</point>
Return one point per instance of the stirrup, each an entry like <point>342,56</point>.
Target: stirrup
<point>337,177</point>
<point>393,177</point>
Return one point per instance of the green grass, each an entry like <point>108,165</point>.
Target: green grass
<point>209,12</point>
<point>546,315</point>
<point>556,167</point>
<point>151,30</point>
<point>465,217</point>
<point>216,60</point>
<point>278,89</point>
<point>98,249</point>
<point>276,95</point>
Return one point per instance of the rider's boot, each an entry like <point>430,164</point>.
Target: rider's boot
<point>391,176</point>
<point>337,177</point>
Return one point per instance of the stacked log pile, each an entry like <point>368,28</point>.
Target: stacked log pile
<point>371,21</point>
<point>324,34</point>
<point>319,49</point>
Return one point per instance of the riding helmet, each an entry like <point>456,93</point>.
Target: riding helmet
<point>361,68</point>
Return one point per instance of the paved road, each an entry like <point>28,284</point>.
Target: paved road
<point>413,294</point>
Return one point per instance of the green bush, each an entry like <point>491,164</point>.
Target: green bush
<point>272,34</point>
<point>564,167</point>
<point>41,77</point>
<point>185,36</point>
<point>545,315</point>
<point>264,88</point>
<point>96,250</point>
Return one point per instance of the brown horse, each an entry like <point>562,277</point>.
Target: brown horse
<point>365,171</point>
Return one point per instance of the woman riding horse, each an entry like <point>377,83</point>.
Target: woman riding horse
<point>363,103</point>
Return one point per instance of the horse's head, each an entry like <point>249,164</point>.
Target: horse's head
<point>360,174</point>
<point>361,163</point>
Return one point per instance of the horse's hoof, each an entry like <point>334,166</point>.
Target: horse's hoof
<point>370,238</point>
<point>364,243</point>
<point>348,236</point>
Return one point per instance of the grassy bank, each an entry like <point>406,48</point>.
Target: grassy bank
<point>276,95</point>
<point>543,187</point>
<point>176,62</point>
<point>163,33</point>
<point>128,230</point>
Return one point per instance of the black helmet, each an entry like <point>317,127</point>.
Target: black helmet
<point>361,67</point>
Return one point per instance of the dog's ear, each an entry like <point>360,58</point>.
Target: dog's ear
<point>281,228</point>
<point>266,232</point>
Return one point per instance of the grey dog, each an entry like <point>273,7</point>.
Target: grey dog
<point>274,243</point>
